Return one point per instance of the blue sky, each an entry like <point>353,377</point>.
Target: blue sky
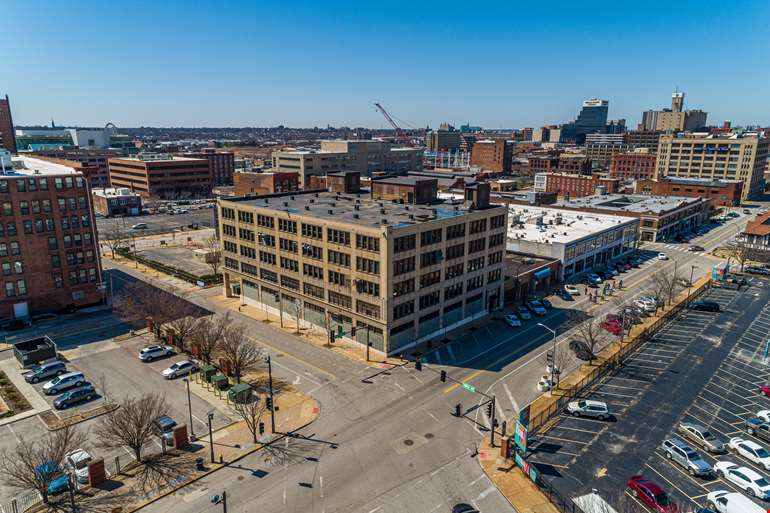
<point>495,64</point>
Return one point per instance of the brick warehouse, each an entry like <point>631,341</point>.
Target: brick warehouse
<point>49,256</point>
<point>160,175</point>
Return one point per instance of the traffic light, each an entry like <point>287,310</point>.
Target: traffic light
<point>458,407</point>
<point>418,365</point>
<point>331,337</point>
<point>261,428</point>
<point>549,357</point>
<point>353,332</point>
<point>489,409</point>
<point>269,403</point>
<point>443,376</point>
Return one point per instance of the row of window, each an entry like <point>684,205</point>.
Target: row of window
<point>32,184</point>
<point>38,206</point>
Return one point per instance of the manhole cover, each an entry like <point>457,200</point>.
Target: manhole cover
<point>240,478</point>
<point>408,442</point>
<point>429,435</point>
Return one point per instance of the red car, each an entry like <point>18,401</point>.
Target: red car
<point>614,327</point>
<point>651,495</point>
<point>764,390</point>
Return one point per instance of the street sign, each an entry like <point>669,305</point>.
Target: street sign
<point>468,387</point>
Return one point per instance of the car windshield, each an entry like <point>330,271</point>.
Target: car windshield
<point>708,436</point>
<point>55,381</point>
<point>761,482</point>
<point>762,453</point>
<point>693,456</point>
<point>82,463</point>
<point>663,499</point>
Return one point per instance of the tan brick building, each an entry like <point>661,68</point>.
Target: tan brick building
<point>736,156</point>
<point>398,273</point>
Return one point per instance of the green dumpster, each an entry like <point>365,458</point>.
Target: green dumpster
<point>239,393</point>
<point>207,371</point>
<point>219,381</point>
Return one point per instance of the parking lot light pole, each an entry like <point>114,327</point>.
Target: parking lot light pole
<point>189,406</point>
<point>553,361</point>
<point>692,272</point>
<point>211,437</point>
<point>272,399</point>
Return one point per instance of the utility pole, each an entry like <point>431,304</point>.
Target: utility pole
<point>189,405</point>
<point>367,343</point>
<point>211,437</point>
<point>553,361</point>
<point>492,431</point>
<point>224,501</point>
<point>272,399</point>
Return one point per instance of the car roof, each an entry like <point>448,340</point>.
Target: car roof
<point>750,443</point>
<point>70,374</point>
<point>650,486</point>
<point>590,402</point>
<point>165,420</point>
<point>692,425</point>
<point>78,455</point>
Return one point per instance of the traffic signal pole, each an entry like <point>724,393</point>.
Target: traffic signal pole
<point>492,427</point>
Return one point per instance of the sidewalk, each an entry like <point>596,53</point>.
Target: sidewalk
<point>39,405</point>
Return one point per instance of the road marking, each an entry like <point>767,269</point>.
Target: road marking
<point>378,508</point>
<point>484,493</point>
<point>464,380</point>
<point>482,476</point>
<point>399,386</point>
<point>510,397</point>
<point>13,432</point>
<point>321,482</point>
<point>434,417</point>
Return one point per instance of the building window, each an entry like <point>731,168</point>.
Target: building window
<point>338,237</point>
<point>495,258</point>
<point>288,245</point>
<point>6,267</point>
<point>312,231</point>
<point>455,231</point>
<point>496,240</point>
<point>497,222</point>
<point>58,280</point>
<point>493,276</point>
<point>268,275</point>
<point>474,264</point>
<point>289,283</point>
<point>21,185</point>
<point>402,310</point>
<point>405,265</point>
<point>430,237</point>
<point>248,252</point>
<point>266,240</point>
<point>453,271</point>
<point>431,258</point>
<point>313,290</point>
<point>28,227</point>
<point>230,247</point>
<point>431,278</point>
<point>429,300</point>
<point>340,300</point>
<point>289,264</point>
<point>266,258</point>
<point>338,278</point>
<point>338,258</point>
<point>10,290</point>
<point>477,245</point>
<point>478,226</point>
<point>313,252</point>
<point>15,248</point>
<point>475,282</point>
<point>453,252</point>
<point>404,243</point>
<point>403,287</point>
<point>265,221</point>
<point>7,208</point>
<point>367,309</point>
<point>228,213</point>
<point>245,217</point>
<point>367,287</point>
<point>18,267</point>
<point>366,265</point>
<point>232,263</point>
<point>367,243</point>
<point>248,235</point>
<point>453,291</point>
<point>285,225</point>
<point>228,230</point>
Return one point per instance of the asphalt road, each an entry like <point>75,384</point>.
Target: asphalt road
<point>159,223</point>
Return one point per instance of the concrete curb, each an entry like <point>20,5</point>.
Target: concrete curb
<point>220,466</point>
<point>478,460</point>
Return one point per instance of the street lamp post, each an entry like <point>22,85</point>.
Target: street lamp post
<point>189,407</point>
<point>272,400</point>
<point>553,361</point>
<point>211,437</point>
<point>692,272</point>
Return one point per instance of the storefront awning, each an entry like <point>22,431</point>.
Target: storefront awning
<point>543,273</point>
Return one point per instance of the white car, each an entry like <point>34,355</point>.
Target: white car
<point>573,290</point>
<point>588,408</point>
<point>512,321</point>
<point>523,313</point>
<point>723,501</point>
<point>139,226</point>
<point>78,461</point>
<point>150,353</point>
<point>752,451</point>
<point>180,369</point>
<point>644,305</point>
<point>662,256</point>
<point>744,477</point>
<point>764,415</point>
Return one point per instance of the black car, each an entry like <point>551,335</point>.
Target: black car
<point>546,303</point>
<point>695,247</point>
<point>464,508</point>
<point>69,398</point>
<point>581,350</point>
<point>704,306</point>
<point>757,270</point>
<point>566,296</point>
<point>758,428</point>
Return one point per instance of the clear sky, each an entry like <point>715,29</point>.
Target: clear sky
<point>511,63</point>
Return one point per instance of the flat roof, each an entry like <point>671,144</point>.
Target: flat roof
<point>29,166</point>
<point>404,180</point>
<point>114,192</point>
<point>549,225</point>
<point>712,182</point>
<point>357,208</point>
<point>629,202</point>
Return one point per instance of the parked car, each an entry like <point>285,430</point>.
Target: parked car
<point>662,256</point>
<point>536,307</point>
<point>84,392</point>
<point>566,296</point>
<point>611,317</point>
<point>651,495</point>
<point>611,271</point>
<point>165,426</point>
<point>546,303</point>
<point>750,450</point>
<point>696,248</point>
<point>745,478</point>
<point>764,390</point>
<point>571,289</point>
<point>645,306</point>
<point>679,452</point>
<point>588,408</point>
<point>723,501</point>
<point>757,270</point>
<point>58,481</point>
<point>64,382</point>
<point>701,436</point>
<point>594,278</point>
<point>764,415</point>
<point>758,427</point>
<point>616,328</point>
<point>46,370</point>
<point>581,350</point>
<point>464,508</point>
<point>78,461</point>
<point>523,313</point>
<point>512,321</point>
<point>150,353</point>
<point>139,226</point>
<point>179,369</point>
<point>703,305</point>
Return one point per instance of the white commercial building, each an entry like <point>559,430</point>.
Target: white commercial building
<point>581,241</point>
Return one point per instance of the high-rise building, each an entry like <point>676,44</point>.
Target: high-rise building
<point>160,175</point>
<point>734,156</point>
<point>592,117</point>
<point>48,247</point>
<point>492,155</point>
<point>445,138</point>
<point>222,164</point>
<point>642,139</point>
<point>674,119</point>
<point>383,273</point>
<point>7,134</point>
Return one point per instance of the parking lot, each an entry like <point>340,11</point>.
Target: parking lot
<point>702,368</point>
<point>160,223</point>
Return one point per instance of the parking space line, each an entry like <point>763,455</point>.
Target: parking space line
<point>562,426</point>
<point>636,366</point>
<point>602,392</point>
<point>666,480</point>
<point>719,406</point>
<point>676,467</point>
<point>564,439</point>
<point>13,433</point>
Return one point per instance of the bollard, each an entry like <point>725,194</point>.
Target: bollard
<point>117,464</point>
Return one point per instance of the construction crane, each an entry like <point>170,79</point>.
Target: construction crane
<point>400,135</point>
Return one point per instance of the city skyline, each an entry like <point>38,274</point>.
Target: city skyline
<point>313,65</point>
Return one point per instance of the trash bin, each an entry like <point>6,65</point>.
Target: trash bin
<point>199,463</point>
<point>239,393</point>
<point>219,381</point>
<point>207,371</point>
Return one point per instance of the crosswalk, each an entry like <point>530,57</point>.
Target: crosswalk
<point>679,247</point>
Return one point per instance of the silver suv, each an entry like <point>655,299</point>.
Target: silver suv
<point>702,436</point>
<point>678,451</point>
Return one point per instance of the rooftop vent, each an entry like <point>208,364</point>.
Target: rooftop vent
<point>292,197</point>
<point>307,207</point>
<point>356,207</point>
<point>285,203</point>
<point>382,211</point>
<point>316,194</point>
<point>312,200</point>
<point>355,216</point>
<point>384,221</point>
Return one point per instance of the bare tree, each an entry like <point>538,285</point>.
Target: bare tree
<point>213,254</point>
<point>241,352</point>
<point>186,327</point>
<point>743,253</point>
<point>133,424</point>
<point>34,465</point>
<point>210,334</point>
<point>140,300</point>
<point>115,236</point>
<point>666,284</point>
<point>588,330</point>
<point>251,410</point>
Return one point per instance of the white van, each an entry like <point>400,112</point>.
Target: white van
<point>732,502</point>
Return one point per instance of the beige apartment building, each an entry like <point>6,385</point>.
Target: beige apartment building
<point>398,273</point>
<point>735,156</point>
<point>368,157</point>
<point>675,119</point>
